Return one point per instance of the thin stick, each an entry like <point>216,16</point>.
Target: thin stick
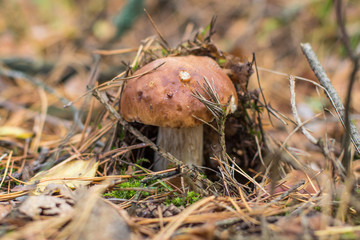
<point>330,92</point>
<point>157,30</point>
<point>301,125</point>
<point>91,83</point>
<point>111,83</point>
<point>344,37</point>
<point>7,166</point>
<point>318,142</point>
<point>260,88</point>
<point>136,132</point>
<point>41,121</point>
<point>296,115</point>
<point>287,193</point>
<point>114,52</point>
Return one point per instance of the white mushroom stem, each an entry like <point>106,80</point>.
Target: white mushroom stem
<point>186,144</point>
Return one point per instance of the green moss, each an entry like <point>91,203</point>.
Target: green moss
<point>126,194</point>
<point>177,201</point>
<point>317,208</point>
<point>349,235</point>
<point>190,198</point>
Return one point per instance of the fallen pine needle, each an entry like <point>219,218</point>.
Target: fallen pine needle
<point>167,231</point>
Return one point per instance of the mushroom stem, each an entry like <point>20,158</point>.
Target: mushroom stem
<point>186,144</point>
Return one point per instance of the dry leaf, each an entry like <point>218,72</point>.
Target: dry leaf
<point>43,205</point>
<point>60,189</point>
<point>5,209</point>
<point>67,169</point>
<point>106,218</point>
<point>95,219</point>
<point>10,131</point>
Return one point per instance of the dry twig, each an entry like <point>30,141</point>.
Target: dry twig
<point>330,92</point>
<point>136,132</point>
<point>318,142</point>
<point>344,37</point>
<point>295,113</point>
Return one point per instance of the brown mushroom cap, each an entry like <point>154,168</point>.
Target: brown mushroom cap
<point>163,97</point>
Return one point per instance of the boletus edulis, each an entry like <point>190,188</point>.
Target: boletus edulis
<point>163,96</point>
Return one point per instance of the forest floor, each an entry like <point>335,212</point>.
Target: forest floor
<point>73,168</point>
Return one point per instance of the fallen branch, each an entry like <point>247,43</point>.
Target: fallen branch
<point>330,92</point>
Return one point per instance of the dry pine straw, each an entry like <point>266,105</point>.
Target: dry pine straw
<point>212,210</point>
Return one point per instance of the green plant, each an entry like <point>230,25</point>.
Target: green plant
<point>123,191</point>
<point>317,208</point>
<point>178,201</point>
<point>141,160</point>
<point>349,235</point>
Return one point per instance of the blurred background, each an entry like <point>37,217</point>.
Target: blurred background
<point>55,42</point>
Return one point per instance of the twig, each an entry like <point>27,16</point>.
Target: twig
<point>111,83</point>
<point>355,59</point>
<point>299,126</point>
<point>134,76</point>
<point>211,30</point>
<point>318,142</point>
<point>278,115</point>
<point>295,112</point>
<point>239,170</point>
<point>47,88</point>
<point>344,35</point>
<point>330,92</point>
<point>260,88</point>
<point>6,168</point>
<point>287,193</point>
<point>160,176</point>
<point>167,47</point>
<point>136,132</point>
<point>305,205</point>
<point>89,100</point>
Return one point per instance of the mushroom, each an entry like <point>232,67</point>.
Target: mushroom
<point>161,94</point>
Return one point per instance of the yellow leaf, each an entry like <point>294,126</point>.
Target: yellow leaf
<point>6,131</point>
<point>68,169</point>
